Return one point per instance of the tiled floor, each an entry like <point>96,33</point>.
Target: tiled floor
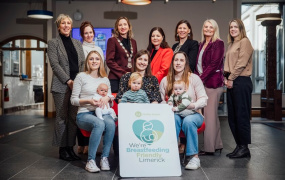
<point>28,154</point>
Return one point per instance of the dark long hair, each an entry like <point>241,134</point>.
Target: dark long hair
<point>188,25</point>
<point>163,44</point>
<point>171,74</point>
<point>139,54</point>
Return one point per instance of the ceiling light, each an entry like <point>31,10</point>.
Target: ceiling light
<point>136,2</point>
<point>269,16</point>
<point>40,14</point>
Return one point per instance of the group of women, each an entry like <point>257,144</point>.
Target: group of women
<point>78,69</point>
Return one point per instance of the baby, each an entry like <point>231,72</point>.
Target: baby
<point>136,94</point>
<point>180,99</point>
<point>102,91</point>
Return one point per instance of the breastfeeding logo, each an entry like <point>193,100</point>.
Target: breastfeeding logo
<point>148,131</point>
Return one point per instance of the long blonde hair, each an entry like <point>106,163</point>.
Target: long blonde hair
<point>216,28</point>
<point>101,71</point>
<point>171,74</point>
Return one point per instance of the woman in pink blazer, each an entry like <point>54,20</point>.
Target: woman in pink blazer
<point>209,67</point>
<point>160,52</point>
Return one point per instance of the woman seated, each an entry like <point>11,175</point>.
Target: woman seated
<point>180,70</point>
<point>84,88</point>
<point>150,83</point>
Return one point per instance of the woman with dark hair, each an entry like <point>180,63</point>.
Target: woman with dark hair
<point>209,68</point>
<point>121,50</point>
<point>150,84</point>
<point>184,34</point>
<point>237,72</point>
<point>66,59</point>
<point>180,70</point>
<point>87,33</point>
<point>161,54</point>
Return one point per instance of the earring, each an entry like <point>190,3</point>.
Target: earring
<point>177,35</point>
<point>188,34</point>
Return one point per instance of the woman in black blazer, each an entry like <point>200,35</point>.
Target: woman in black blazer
<point>66,59</point>
<point>184,34</point>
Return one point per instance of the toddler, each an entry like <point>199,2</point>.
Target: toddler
<point>180,99</point>
<point>102,91</point>
<point>136,94</point>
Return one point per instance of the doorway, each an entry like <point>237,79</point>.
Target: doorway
<point>23,75</point>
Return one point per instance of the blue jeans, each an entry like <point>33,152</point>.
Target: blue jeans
<point>89,122</point>
<point>189,126</point>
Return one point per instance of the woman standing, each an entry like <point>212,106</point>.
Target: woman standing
<point>150,84</point>
<point>161,54</point>
<point>66,58</point>
<point>87,33</point>
<point>121,50</point>
<point>184,34</point>
<point>180,70</point>
<point>209,68</point>
<point>85,86</point>
<point>237,71</point>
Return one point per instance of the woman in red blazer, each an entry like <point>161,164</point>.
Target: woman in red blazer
<point>160,52</point>
<point>209,67</point>
<point>121,50</point>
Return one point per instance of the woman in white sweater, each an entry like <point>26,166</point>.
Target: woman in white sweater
<point>84,88</point>
<point>87,33</point>
<point>180,70</point>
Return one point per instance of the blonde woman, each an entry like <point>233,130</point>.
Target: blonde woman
<point>209,68</point>
<point>237,71</point>
<point>66,59</point>
<point>85,86</point>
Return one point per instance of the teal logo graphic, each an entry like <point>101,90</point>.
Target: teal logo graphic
<point>148,131</point>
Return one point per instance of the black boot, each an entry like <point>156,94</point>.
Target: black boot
<point>72,153</point>
<point>232,153</point>
<point>242,152</point>
<point>64,155</point>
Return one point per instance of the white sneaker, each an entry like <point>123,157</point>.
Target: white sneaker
<point>193,164</point>
<point>91,166</point>
<point>104,163</point>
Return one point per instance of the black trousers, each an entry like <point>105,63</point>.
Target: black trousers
<point>239,109</point>
<point>82,140</point>
<point>114,85</point>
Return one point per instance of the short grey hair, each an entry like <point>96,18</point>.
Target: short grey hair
<point>61,17</point>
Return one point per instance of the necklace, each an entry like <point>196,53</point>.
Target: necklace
<point>128,55</point>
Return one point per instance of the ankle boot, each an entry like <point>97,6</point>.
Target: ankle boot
<point>64,155</point>
<point>243,151</point>
<point>235,150</point>
<point>72,153</point>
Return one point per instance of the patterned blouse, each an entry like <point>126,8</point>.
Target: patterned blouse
<point>150,86</point>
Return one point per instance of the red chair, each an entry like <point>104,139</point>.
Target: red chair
<point>115,107</point>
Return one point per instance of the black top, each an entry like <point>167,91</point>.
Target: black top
<point>72,56</point>
<point>126,44</point>
<point>190,47</point>
<point>153,54</point>
<point>150,86</point>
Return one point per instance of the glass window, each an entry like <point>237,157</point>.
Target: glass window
<point>257,35</point>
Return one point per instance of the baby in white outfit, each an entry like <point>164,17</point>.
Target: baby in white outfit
<point>102,91</point>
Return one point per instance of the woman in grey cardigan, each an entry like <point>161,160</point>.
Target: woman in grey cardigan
<point>66,58</point>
